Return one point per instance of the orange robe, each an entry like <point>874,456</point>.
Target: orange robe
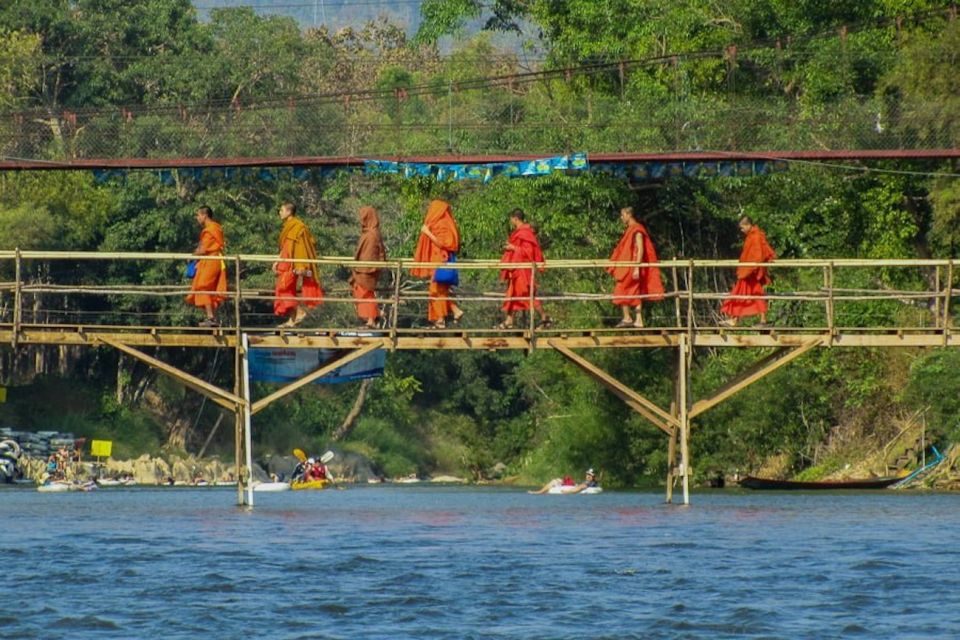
<point>369,248</point>
<point>441,224</point>
<point>211,275</point>
<point>296,245</point>
<point>750,280</point>
<point>627,289</point>
<point>526,249</point>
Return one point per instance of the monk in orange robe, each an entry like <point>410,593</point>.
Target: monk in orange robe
<point>439,237</point>
<point>210,278</point>
<point>634,284</point>
<point>522,246</point>
<point>364,279</point>
<point>297,247</point>
<point>750,279</point>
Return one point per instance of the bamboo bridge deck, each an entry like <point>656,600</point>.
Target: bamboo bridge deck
<point>49,308</point>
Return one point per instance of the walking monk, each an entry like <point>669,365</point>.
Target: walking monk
<point>211,275</point>
<point>439,237</point>
<point>522,246</point>
<point>632,282</point>
<point>750,280</point>
<point>364,279</point>
<point>296,247</point>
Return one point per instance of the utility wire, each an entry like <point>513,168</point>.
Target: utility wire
<point>512,79</point>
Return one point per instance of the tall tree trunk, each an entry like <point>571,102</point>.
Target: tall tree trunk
<point>344,429</point>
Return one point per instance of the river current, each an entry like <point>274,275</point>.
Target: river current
<point>457,562</point>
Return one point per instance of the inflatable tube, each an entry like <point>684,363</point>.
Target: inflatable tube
<point>54,487</point>
<point>272,486</point>
<point>13,446</point>
<point>561,489</point>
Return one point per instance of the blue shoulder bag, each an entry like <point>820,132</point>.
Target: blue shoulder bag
<point>443,275</point>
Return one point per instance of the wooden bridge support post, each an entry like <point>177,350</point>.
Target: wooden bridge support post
<point>830,308</point>
<point>238,423</point>
<point>946,304</point>
<point>938,297</point>
<point>17,297</point>
<point>247,412</point>
<point>671,456</point>
<point>683,380</point>
<point>239,384</point>
<point>395,311</point>
<point>532,324</point>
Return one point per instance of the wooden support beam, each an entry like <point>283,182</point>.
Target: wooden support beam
<point>464,339</point>
<point>761,369</point>
<point>216,394</point>
<point>662,419</point>
<point>671,455</point>
<point>310,377</point>
<point>17,300</point>
<point>683,413</point>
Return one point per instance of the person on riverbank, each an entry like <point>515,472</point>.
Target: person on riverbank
<point>750,279</point>
<point>370,248</point>
<point>634,284</point>
<point>210,277</point>
<point>297,285</point>
<point>439,242</point>
<point>522,246</point>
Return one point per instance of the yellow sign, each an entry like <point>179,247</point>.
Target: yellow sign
<point>3,394</point>
<point>101,448</point>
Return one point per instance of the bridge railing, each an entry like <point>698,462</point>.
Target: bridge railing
<point>46,289</point>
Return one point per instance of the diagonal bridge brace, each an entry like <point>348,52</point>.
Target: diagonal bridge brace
<point>216,394</point>
<point>660,418</point>
<point>762,368</point>
<point>332,365</point>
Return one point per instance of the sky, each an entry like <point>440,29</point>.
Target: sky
<point>336,14</point>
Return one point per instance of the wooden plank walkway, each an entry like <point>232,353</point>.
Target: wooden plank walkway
<point>475,339</point>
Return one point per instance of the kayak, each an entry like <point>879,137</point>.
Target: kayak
<point>272,486</point>
<point>561,489</point>
<point>312,484</point>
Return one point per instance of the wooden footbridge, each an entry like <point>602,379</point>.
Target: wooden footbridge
<point>123,301</point>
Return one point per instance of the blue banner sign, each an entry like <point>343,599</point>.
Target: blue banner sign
<point>289,365</point>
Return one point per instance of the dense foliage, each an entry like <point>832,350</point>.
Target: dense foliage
<point>190,86</point>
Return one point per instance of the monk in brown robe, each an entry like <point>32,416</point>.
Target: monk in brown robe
<point>521,246</point>
<point>750,279</point>
<point>210,278</point>
<point>634,284</point>
<point>439,237</point>
<point>364,279</point>
<point>293,270</point>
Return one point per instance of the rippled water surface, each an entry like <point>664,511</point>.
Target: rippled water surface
<point>436,562</point>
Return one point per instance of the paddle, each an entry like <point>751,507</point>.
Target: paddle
<point>325,458</point>
<point>302,457</point>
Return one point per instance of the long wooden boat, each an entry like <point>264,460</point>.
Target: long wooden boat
<point>751,482</point>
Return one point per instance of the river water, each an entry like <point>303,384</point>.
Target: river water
<point>455,562</point>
